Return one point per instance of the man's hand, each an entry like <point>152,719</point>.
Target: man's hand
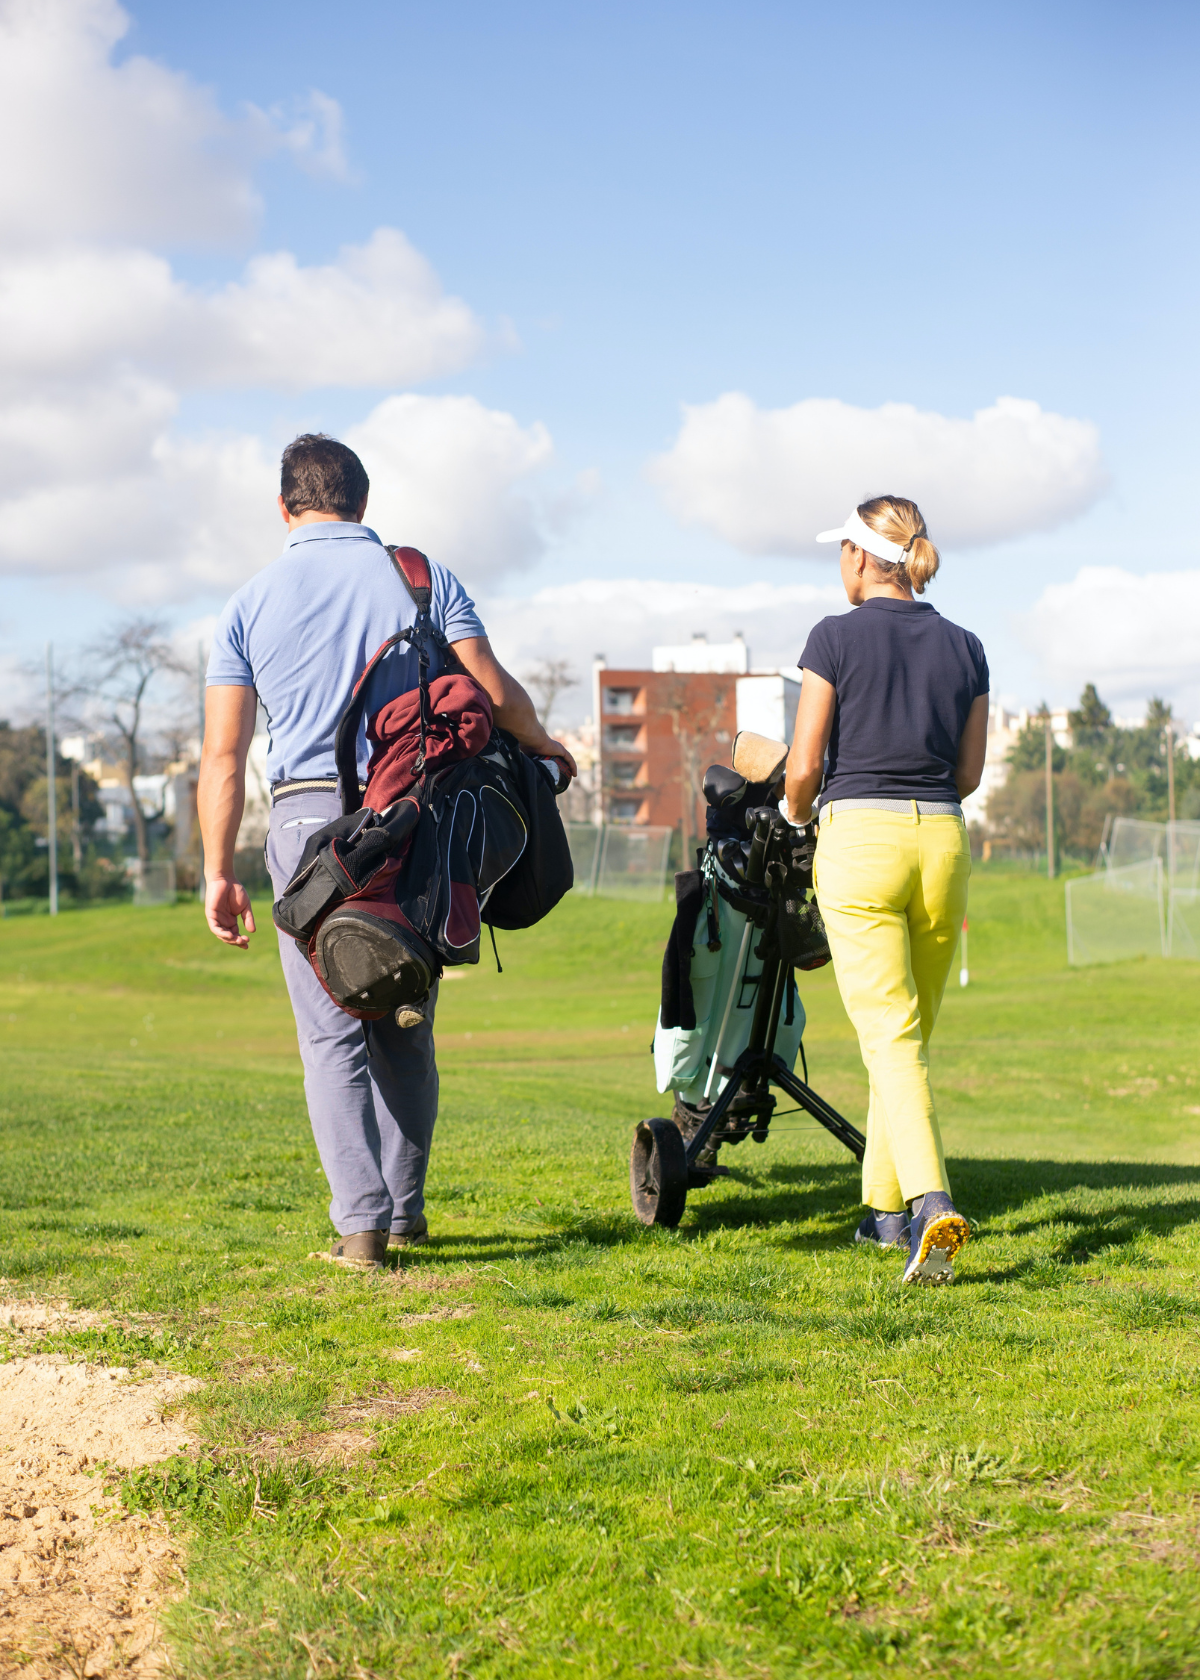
<point>224,901</point>
<point>512,709</point>
<point>555,749</point>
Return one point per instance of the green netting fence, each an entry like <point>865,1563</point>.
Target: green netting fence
<point>1144,902</point>
<point>613,860</point>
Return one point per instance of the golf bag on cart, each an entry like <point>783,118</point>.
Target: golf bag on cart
<point>730,1023</point>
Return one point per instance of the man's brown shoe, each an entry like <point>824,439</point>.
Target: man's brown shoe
<point>363,1249</point>
<point>413,1238</point>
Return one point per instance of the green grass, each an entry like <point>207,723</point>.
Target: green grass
<point>733,1450</point>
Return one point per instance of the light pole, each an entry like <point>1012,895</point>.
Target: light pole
<point>1170,770</point>
<point>51,785</point>
<point>200,662</point>
<point>1049,800</point>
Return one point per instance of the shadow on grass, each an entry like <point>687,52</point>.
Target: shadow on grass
<point>1080,1204</point>
<point>1043,1194</point>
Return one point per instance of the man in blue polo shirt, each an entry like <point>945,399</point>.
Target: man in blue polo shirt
<point>295,639</point>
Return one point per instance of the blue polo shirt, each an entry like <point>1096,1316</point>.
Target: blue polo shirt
<point>302,629</point>
<point>905,679</point>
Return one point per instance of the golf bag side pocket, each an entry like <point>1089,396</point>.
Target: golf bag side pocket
<point>339,861</point>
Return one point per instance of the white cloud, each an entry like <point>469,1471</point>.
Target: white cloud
<point>175,516</point>
<point>52,438</point>
<point>149,516</point>
<point>1132,635</point>
<point>100,338</point>
<point>130,150</point>
<point>445,475</point>
<point>624,618</point>
<point>378,316</point>
<point>312,130</point>
<point>768,479</point>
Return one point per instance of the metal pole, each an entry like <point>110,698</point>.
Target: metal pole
<point>1049,801</point>
<point>1170,804</point>
<point>1170,771</point>
<point>51,785</point>
<point>200,889</point>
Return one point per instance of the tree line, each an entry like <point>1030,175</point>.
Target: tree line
<point>1108,770</point>
<point>126,695</point>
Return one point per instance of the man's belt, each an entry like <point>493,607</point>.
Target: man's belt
<point>313,784</point>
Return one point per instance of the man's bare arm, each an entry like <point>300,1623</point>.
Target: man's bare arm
<point>512,709</point>
<point>806,760</point>
<point>229,714</point>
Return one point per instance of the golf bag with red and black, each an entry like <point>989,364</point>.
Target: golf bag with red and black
<point>456,826</point>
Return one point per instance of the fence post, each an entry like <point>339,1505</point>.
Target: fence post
<point>598,858</point>
<point>51,783</point>
<point>1049,800</point>
<point>1170,771</point>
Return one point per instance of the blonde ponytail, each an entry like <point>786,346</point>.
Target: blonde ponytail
<point>899,520</point>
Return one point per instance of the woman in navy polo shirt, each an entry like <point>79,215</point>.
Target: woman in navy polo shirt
<point>899,697</point>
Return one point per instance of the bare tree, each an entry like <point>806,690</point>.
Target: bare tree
<point>696,716</point>
<point>122,666</point>
<point>548,679</point>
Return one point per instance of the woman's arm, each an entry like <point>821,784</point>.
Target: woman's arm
<point>806,760</point>
<point>972,748</point>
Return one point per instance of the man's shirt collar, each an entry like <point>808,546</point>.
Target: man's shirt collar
<point>323,530</point>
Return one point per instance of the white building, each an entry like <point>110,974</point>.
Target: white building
<point>766,704</point>
<point>721,658</point>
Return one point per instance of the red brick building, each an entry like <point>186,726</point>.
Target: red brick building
<point>659,732</point>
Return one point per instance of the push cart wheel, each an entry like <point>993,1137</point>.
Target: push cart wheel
<point>658,1173</point>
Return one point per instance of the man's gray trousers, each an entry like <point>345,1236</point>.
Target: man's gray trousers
<point>372,1113</point>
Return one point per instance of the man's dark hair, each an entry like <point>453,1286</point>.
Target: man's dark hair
<point>320,475</point>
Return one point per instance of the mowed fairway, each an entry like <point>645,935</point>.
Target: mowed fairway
<point>567,1445</point>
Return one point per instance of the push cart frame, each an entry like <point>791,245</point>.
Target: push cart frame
<point>662,1168</point>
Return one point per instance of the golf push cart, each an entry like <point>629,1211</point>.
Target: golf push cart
<point>731,1024</point>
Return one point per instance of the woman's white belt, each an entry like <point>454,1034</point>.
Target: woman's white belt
<point>924,807</point>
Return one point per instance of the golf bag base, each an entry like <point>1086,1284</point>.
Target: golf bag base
<point>371,963</point>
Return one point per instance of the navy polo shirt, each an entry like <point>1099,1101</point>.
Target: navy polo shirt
<point>905,679</point>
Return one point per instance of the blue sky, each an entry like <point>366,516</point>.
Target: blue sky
<point>650,206</point>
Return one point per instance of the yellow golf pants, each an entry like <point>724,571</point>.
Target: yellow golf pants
<point>893,891</point>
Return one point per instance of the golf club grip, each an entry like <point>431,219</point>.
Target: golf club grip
<point>756,862</point>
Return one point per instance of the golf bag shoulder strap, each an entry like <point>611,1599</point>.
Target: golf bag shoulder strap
<point>413,567</point>
<point>345,746</point>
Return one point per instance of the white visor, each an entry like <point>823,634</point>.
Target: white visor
<point>857,531</point>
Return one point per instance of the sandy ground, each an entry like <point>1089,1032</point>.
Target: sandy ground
<point>81,1580</point>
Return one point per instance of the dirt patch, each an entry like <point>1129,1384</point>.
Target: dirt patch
<point>387,1405</point>
<point>413,1274</point>
<point>48,1315</point>
<point>82,1581</point>
<point>434,1313</point>
<point>344,1444</point>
